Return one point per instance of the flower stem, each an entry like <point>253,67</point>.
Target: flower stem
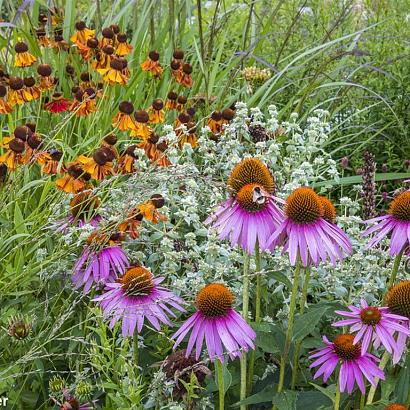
<point>220,381</point>
<point>337,396</point>
<point>289,330</point>
<point>395,269</point>
<point>362,400</point>
<point>299,342</point>
<point>257,312</point>
<point>245,311</point>
<point>135,346</point>
<point>382,365</point>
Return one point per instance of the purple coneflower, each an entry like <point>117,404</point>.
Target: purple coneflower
<point>353,364</point>
<point>217,322</point>
<point>251,215</point>
<point>396,222</point>
<point>372,323</point>
<point>99,266</point>
<point>305,231</point>
<point>136,296</point>
<point>398,301</point>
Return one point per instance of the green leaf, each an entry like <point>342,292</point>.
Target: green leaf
<point>272,341</point>
<point>264,396</point>
<point>280,277</point>
<point>306,323</point>
<point>285,400</point>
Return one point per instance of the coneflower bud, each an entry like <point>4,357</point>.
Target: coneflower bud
<point>228,114</point>
<point>153,55</point>
<point>22,132</point>
<point>19,328</point>
<point>158,104</point>
<point>56,384</point>
<point>92,43</point>
<point>344,162</point>
<point>141,116</point>
<point>158,200</point>
<point>16,145</point>
<point>369,186</point>
<point>80,25</point>
<point>178,54</point>
<point>108,49</point>
<point>175,65</point>
<point>111,139</point>
<point>187,68</point>
<point>108,33</point>
<point>29,81</point>
<point>16,83</point>
<point>83,389</point>
<point>126,107</point>
<point>44,70</point>
<point>21,47</point>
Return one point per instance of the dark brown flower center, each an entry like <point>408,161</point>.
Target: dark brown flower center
<point>370,316</point>
<point>400,207</point>
<point>214,300</point>
<point>137,281</point>
<point>344,347</point>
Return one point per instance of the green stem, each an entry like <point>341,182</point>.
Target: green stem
<point>337,396</point>
<point>220,381</point>
<point>135,345</point>
<point>382,365</point>
<point>362,400</point>
<point>289,330</point>
<point>299,342</point>
<point>245,311</point>
<point>395,269</point>
<point>257,312</point>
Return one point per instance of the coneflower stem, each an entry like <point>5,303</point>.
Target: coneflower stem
<point>135,346</point>
<point>257,311</point>
<point>289,330</point>
<point>362,400</point>
<point>395,269</point>
<point>303,300</point>
<point>337,396</point>
<point>220,381</point>
<point>382,365</point>
<point>245,311</point>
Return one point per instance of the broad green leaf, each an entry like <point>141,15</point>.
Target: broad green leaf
<point>306,323</point>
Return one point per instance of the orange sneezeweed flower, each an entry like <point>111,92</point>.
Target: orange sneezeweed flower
<point>89,49</point>
<point>84,103</point>
<point>33,145</point>
<point>57,104</point>
<point>143,131</point>
<point>149,209</point>
<point>183,118</point>
<point>181,101</point>
<point>4,106</point>
<point>171,102</point>
<point>50,161</point>
<point>109,142</point>
<point>156,112</point>
<point>46,81</point>
<point>227,115</point>
<point>42,39</point>
<point>23,58</point>
<point>82,34</point>
<point>149,146</point>
<point>176,70</point>
<point>99,165</point>
<point>186,78</point>
<point>16,92</point>
<point>160,158</point>
<point>123,48</point>
<point>108,37</point>
<point>189,136</point>
<point>125,164</point>
<point>103,60</point>
<point>118,72</point>
<point>123,119</point>
<point>85,81</point>
<point>152,65</point>
<point>14,154</point>
<point>215,122</point>
<point>75,180</point>
<point>30,91</point>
